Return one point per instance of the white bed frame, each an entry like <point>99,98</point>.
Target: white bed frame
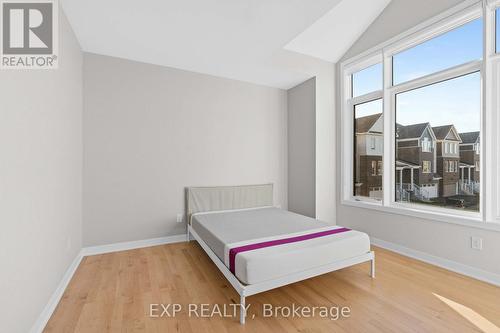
<point>252,289</point>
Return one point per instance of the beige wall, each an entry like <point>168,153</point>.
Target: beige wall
<point>302,148</point>
<point>40,181</point>
<point>150,131</point>
<point>324,72</point>
<point>443,240</point>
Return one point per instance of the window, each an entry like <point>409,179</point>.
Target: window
<point>448,107</point>
<point>458,46</point>
<point>476,148</point>
<point>367,148</point>
<point>452,166</point>
<point>430,121</point>
<point>367,80</point>
<point>426,167</point>
<point>426,145</point>
<point>374,168</point>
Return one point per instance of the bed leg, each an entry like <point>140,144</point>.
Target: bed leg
<point>372,269</point>
<point>188,235</point>
<point>242,310</point>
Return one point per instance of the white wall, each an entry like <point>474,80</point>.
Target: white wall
<point>324,72</point>
<point>325,141</point>
<point>302,148</point>
<point>150,131</point>
<point>439,239</point>
<point>40,181</point>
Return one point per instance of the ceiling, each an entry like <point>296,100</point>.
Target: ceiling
<point>343,25</point>
<point>237,39</point>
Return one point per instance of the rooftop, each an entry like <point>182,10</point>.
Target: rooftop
<point>364,124</point>
<point>410,131</point>
<point>469,137</point>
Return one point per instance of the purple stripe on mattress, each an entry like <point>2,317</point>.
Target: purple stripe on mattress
<point>234,251</point>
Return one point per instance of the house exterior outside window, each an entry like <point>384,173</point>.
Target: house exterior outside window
<point>415,156</point>
<point>447,159</point>
<point>469,162</point>
<point>368,158</point>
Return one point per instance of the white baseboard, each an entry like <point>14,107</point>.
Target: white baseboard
<point>100,249</point>
<point>450,265</point>
<point>44,317</point>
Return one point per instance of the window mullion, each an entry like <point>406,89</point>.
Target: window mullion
<point>388,162</point>
<point>444,75</point>
<point>367,97</point>
<point>488,154</point>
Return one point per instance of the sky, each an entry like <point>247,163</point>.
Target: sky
<point>498,31</point>
<point>455,101</point>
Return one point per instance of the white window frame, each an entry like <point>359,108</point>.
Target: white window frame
<point>489,212</point>
<point>348,120</point>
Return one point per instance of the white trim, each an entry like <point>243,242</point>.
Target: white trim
<point>123,246</point>
<point>413,210</point>
<point>46,313</point>
<point>437,77</point>
<point>347,120</point>
<point>373,59</point>
<point>450,265</point>
<point>366,98</point>
<point>252,289</point>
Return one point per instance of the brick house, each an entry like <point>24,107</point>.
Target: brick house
<point>416,162</point>
<point>469,161</point>
<point>448,159</point>
<point>368,147</point>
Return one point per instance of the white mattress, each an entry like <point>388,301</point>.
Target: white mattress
<point>228,229</point>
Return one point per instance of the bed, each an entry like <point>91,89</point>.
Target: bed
<point>259,247</point>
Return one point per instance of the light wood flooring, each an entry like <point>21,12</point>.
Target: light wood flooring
<point>113,292</point>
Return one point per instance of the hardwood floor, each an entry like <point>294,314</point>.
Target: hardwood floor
<point>113,292</point>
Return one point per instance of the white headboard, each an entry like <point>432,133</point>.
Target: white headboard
<point>206,199</point>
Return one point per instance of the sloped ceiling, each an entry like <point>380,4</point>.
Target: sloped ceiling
<point>237,39</point>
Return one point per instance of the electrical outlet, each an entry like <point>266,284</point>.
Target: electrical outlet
<point>476,243</point>
<point>180,217</point>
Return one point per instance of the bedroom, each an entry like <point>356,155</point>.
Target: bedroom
<point>195,166</point>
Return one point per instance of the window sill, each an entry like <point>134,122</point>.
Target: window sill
<point>472,220</point>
